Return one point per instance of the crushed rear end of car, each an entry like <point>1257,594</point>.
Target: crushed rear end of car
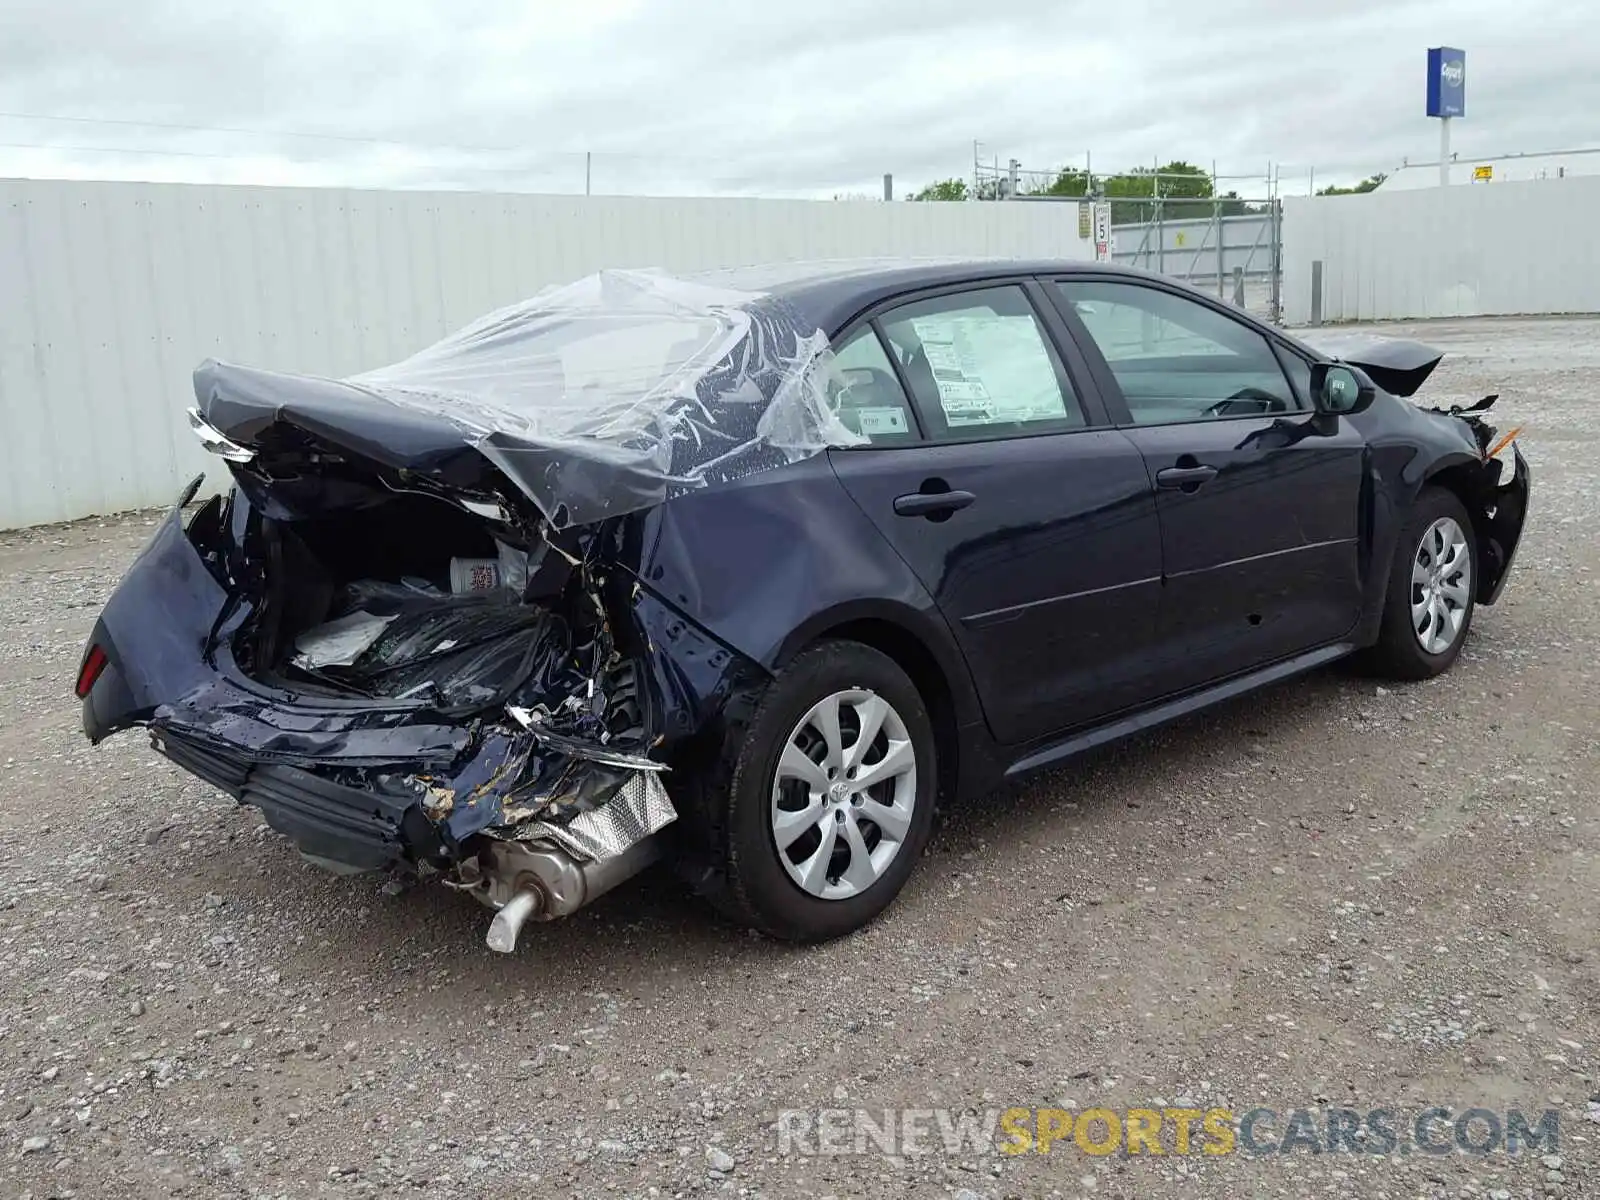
<point>408,633</point>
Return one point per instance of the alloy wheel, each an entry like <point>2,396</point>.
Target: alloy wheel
<point>1441,585</point>
<point>843,794</point>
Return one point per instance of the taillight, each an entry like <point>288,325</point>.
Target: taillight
<point>94,663</point>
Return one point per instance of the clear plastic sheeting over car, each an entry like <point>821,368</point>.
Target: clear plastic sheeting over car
<point>611,394</point>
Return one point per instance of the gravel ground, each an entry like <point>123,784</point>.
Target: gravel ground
<point>1333,894</point>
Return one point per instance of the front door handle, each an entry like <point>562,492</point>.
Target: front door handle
<point>932,504</point>
<point>1186,478</point>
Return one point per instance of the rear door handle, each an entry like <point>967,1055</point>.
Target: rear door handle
<point>931,504</point>
<point>1186,478</point>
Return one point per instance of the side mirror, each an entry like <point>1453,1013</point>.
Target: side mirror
<point>1339,389</point>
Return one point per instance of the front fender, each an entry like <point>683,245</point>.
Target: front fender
<point>1498,510</point>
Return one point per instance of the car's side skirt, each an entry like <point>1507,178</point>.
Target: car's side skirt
<point>1190,702</point>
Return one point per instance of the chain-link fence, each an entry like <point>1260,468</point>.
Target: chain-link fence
<point>1238,257</point>
<point>1222,234</point>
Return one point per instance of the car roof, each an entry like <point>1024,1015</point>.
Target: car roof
<point>831,292</point>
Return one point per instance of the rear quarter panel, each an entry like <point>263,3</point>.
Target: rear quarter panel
<point>770,563</point>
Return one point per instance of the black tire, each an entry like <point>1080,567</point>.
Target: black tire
<point>741,872</point>
<point>1399,653</point>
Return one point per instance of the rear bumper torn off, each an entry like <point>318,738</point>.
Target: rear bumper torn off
<point>528,859</point>
<point>535,794</point>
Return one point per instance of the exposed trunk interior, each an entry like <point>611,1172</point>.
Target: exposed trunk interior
<point>413,598</point>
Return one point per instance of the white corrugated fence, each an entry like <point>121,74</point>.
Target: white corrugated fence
<point>1468,250</point>
<point>112,293</point>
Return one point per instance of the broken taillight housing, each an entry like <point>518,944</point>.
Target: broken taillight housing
<point>94,663</point>
<point>219,443</point>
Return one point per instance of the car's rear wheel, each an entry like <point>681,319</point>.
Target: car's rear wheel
<point>825,797</point>
<point>1429,606</point>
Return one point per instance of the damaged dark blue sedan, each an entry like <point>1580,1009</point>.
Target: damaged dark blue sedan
<point>746,571</point>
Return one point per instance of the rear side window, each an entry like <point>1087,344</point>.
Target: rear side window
<point>872,402</point>
<point>979,365</point>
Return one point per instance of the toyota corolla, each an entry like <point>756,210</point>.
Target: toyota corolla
<point>748,571</point>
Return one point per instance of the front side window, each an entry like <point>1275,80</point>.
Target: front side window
<point>1177,359</point>
<point>979,366</point>
<point>1299,372</point>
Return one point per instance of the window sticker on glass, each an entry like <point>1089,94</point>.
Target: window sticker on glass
<point>990,368</point>
<point>875,422</point>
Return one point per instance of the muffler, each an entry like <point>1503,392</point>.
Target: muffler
<point>541,881</point>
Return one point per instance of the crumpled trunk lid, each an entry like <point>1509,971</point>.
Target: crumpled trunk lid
<point>590,401</point>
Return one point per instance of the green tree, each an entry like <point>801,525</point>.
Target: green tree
<point>1071,182</point>
<point>1179,184</point>
<point>1233,206</point>
<point>1181,179</point>
<point>1369,184</point>
<point>1182,187</point>
<point>945,189</point>
<point>1183,190</point>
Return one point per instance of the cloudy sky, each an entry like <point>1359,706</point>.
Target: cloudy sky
<point>724,97</point>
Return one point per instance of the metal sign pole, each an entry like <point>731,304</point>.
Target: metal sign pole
<point>1447,97</point>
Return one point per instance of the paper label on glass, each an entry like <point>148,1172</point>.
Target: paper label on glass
<point>990,368</point>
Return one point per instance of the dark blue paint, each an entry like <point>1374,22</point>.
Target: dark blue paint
<point>1050,580</point>
<point>1261,561</point>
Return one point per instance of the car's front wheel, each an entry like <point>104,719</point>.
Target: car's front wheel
<point>1429,606</point>
<point>825,799</point>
